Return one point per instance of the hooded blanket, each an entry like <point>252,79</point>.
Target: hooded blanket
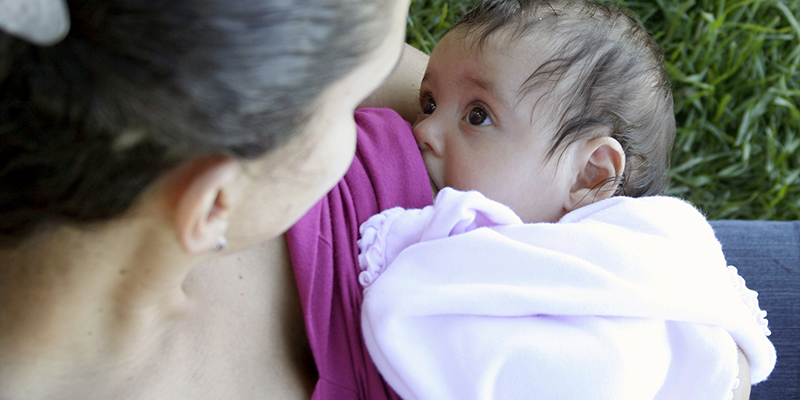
<point>621,299</point>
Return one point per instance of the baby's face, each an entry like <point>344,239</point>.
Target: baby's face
<point>477,131</point>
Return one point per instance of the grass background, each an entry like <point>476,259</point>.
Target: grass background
<point>735,71</point>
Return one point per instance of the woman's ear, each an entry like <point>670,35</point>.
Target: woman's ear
<point>600,163</point>
<point>202,202</point>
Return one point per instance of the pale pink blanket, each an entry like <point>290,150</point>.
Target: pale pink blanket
<point>622,299</point>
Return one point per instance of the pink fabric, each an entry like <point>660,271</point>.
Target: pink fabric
<point>387,172</point>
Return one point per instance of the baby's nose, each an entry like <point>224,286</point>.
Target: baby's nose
<point>429,135</point>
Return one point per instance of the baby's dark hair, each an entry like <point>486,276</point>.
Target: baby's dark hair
<point>616,86</point>
<point>141,86</point>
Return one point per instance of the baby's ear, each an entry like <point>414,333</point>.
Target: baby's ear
<point>600,163</point>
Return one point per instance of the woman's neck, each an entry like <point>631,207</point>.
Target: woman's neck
<point>121,311</point>
<point>72,298</point>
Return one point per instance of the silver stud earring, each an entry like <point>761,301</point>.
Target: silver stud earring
<point>222,243</point>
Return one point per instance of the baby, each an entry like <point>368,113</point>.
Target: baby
<point>549,265</point>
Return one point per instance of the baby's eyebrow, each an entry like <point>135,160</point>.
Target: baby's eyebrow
<point>482,83</point>
<point>489,87</point>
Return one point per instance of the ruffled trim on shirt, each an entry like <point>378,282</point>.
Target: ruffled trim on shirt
<point>734,384</point>
<point>750,300</point>
<point>372,245</point>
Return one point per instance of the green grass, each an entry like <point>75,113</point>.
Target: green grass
<point>735,71</point>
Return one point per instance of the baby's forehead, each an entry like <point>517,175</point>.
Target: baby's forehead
<point>517,61</point>
<point>507,40</point>
<point>522,55</point>
<point>533,42</point>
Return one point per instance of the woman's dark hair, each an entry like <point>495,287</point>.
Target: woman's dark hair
<point>616,78</point>
<point>140,86</point>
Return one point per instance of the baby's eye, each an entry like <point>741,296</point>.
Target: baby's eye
<point>478,117</point>
<point>428,106</point>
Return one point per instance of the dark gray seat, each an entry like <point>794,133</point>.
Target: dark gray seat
<point>767,254</point>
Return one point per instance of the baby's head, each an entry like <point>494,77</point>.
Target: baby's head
<point>547,106</point>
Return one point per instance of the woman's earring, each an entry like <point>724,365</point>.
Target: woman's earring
<point>222,243</point>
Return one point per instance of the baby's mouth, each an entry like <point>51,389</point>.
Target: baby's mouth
<point>434,188</point>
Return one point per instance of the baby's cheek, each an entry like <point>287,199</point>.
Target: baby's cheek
<point>434,169</point>
<point>464,180</point>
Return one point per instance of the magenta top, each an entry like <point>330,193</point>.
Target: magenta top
<point>387,172</point>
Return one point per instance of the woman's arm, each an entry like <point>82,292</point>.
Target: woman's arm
<point>400,92</point>
<point>743,391</point>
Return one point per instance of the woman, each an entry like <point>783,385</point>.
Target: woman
<point>132,147</point>
<point>149,164</point>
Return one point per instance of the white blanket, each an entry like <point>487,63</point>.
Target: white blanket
<point>622,299</point>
